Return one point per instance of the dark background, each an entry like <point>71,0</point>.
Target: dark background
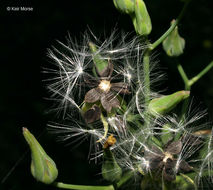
<point>24,39</point>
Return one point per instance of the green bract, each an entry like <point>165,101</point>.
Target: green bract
<point>43,168</point>
<point>174,44</point>
<point>164,104</point>
<point>166,133</point>
<point>101,65</point>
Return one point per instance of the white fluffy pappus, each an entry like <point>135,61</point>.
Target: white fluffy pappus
<point>72,64</point>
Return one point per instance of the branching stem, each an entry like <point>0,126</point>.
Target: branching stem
<point>146,58</point>
<point>189,82</point>
<point>184,76</point>
<point>171,28</point>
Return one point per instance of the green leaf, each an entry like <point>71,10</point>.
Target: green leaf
<point>164,104</point>
<point>43,168</point>
<point>174,44</point>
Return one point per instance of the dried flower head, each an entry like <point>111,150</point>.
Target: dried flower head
<point>165,161</point>
<point>106,91</point>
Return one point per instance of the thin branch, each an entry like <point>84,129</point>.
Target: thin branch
<point>82,187</point>
<point>199,75</point>
<point>171,28</point>
<point>184,76</point>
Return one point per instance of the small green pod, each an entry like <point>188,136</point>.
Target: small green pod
<point>111,171</point>
<point>164,104</point>
<point>125,6</point>
<point>143,24</point>
<point>43,168</point>
<point>174,44</point>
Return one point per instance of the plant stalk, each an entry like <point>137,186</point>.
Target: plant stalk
<point>146,72</point>
<point>123,180</point>
<point>184,76</point>
<point>82,187</point>
<point>187,87</point>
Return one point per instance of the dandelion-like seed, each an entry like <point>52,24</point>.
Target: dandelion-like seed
<point>80,70</point>
<point>129,76</point>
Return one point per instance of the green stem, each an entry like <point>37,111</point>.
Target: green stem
<point>146,75</point>
<point>187,87</point>
<point>123,180</point>
<point>171,28</point>
<point>199,75</point>
<point>146,71</point>
<point>188,83</point>
<point>82,187</point>
<point>184,76</point>
<point>185,106</point>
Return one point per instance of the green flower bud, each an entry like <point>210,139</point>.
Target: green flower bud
<point>111,171</point>
<point>102,67</point>
<point>125,6</point>
<point>142,21</point>
<point>165,104</point>
<point>174,44</point>
<point>43,167</point>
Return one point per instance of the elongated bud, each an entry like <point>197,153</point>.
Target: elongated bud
<point>102,67</point>
<point>174,44</point>
<point>43,167</point>
<point>125,6</point>
<point>142,22</point>
<point>164,104</point>
<point>111,171</point>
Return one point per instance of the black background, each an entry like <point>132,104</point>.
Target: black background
<point>24,39</point>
